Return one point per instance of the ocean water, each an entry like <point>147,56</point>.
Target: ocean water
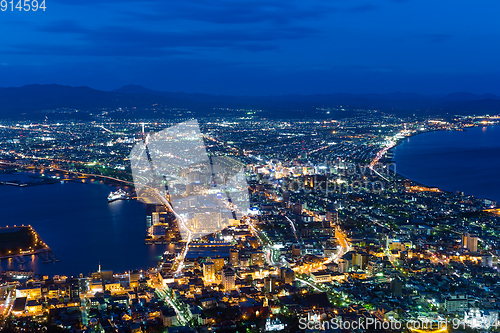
<point>83,230</point>
<point>453,160</point>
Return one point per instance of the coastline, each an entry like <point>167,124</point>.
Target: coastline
<point>69,227</point>
<point>400,176</point>
<point>78,177</point>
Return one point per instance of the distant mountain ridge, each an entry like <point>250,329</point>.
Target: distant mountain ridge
<point>25,100</point>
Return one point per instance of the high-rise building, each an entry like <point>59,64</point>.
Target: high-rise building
<point>333,217</point>
<point>270,283</point>
<point>228,279</point>
<point>287,275</point>
<point>343,266</point>
<point>209,272</point>
<point>234,257</point>
<point>219,263</point>
<point>456,303</point>
<point>360,259</point>
<point>469,242</point>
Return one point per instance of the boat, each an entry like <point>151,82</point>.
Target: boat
<point>118,195</point>
<point>20,259</point>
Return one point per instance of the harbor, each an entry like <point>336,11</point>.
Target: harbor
<point>20,241</point>
<point>77,223</point>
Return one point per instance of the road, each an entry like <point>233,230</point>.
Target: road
<point>344,246</point>
<point>183,317</point>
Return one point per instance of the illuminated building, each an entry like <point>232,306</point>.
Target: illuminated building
<point>360,259</point>
<point>228,279</point>
<point>134,277</point>
<point>316,182</point>
<point>234,257</point>
<point>34,307</point>
<point>270,283</point>
<point>333,217</point>
<point>209,272</point>
<point>456,303</point>
<point>207,222</point>
<point>274,325</point>
<point>234,222</point>
<point>112,286</point>
<point>469,242</point>
<point>257,258</point>
<point>30,292</point>
<point>253,241</point>
<point>343,266</point>
<point>19,306</point>
<point>321,276</point>
<point>219,263</point>
<point>287,275</point>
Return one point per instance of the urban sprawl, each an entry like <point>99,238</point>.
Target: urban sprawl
<point>335,239</point>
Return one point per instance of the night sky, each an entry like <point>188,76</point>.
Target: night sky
<point>257,47</point>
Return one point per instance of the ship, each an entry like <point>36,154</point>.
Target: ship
<point>118,195</point>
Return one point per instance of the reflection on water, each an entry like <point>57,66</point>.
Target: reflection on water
<point>80,226</point>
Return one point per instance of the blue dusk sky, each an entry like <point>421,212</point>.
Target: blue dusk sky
<point>256,47</point>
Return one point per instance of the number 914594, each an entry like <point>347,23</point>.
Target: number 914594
<point>22,5</point>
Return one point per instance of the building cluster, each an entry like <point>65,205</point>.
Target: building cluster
<point>332,232</point>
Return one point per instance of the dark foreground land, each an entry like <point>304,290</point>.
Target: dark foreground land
<point>21,240</point>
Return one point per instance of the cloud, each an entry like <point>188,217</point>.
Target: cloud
<point>363,8</point>
<point>66,50</point>
<point>63,26</point>
<point>133,40</point>
<point>437,38</point>
<point>189,26</point>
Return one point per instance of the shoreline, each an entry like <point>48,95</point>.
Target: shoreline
<point>44,249</point>
<point>78,177</point>
<point>401,176</point>
<point>108,179</point>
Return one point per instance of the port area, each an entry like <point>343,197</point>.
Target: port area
<point>161,226</point>
<point>22,179</point>
<point>19,241</point>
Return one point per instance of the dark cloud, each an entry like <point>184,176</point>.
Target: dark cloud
<point>437,38</point>
<point>241,12</point>
<point>292,45</point>
<point>63,26</point>
<point>101,50</point>
<point>134,41</point>
<point>363,8</point>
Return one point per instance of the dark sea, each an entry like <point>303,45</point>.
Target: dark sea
<point>79,225</point>
<point>453,160</point>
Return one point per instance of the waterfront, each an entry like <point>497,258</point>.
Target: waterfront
<point>464,161</point>
<point>80,226</point>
